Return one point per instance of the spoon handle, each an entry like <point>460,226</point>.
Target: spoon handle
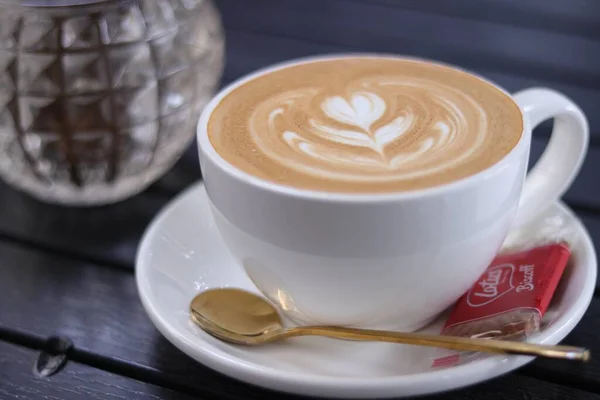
<point>447,342</point>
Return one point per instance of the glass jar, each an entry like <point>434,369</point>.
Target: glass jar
<point>98,98</point>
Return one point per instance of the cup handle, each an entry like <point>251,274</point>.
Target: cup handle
<point>559,164</point>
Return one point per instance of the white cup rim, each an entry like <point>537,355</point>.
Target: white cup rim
<point>209,151</point>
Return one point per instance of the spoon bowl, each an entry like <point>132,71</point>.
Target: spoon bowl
<point>235,310</point>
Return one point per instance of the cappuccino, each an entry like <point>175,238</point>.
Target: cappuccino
<point>364,125</point>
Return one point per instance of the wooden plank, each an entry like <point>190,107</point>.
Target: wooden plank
<point>75,381</point>
<point>247,52</point>
<point>99,311</point>
<point>108,234</point>
<point>576,17</point>
<point>522,51</point>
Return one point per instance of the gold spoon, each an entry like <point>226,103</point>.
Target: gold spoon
<point>241,317</point>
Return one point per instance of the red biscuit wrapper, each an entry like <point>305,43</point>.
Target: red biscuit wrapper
<point>509,300</point>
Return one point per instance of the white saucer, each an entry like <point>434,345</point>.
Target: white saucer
<point>182,254</point>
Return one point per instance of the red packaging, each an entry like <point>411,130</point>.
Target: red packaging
<point>515,285</point>
<point>510,298</point>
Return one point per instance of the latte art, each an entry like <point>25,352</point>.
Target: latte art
<point>369,135</point>
<point>378,124</point>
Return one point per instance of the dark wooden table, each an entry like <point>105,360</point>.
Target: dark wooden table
<point>68,273</point>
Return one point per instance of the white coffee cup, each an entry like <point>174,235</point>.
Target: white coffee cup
<point>387,260</point>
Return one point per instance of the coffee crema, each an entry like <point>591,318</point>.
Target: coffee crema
<point>364,124</point>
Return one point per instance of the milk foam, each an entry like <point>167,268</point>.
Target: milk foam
<point>365,125</point>
<point>330,150</point>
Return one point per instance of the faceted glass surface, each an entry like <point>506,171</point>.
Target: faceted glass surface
<point>98,101</point>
